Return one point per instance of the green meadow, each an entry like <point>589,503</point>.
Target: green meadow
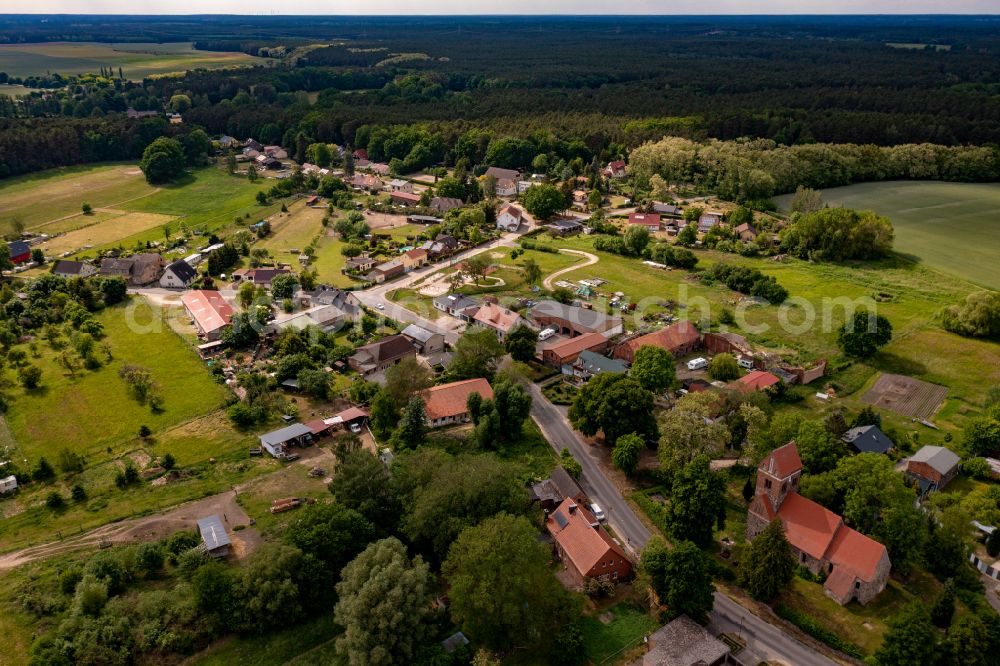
<point>951,227</point>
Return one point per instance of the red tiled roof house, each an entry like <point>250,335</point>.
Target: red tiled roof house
<point>447,404</point>
<point>586,549</point>
<point>856,566</point>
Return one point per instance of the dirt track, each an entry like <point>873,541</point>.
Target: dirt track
<point>591,260</point>
<point>148,528</point>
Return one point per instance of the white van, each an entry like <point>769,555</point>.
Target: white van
<point>697,364</point>
<point>546,333</point>
<point>745,362</point>
<point>596,510</point>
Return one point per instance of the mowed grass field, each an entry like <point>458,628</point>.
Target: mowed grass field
<point>136,60</point>
<point>952,227</point>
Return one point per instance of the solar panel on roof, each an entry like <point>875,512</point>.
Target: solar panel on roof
<point>560,520</point>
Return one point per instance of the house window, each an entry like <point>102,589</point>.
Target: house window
<point>784,487</point>
<point>803,557</point>
<point>614,575</point>
<point>830,568</point>
<point>767,483</point>
<point>857,585</point>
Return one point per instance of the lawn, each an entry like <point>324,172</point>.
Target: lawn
<point>93,410</point>
<point>952,227</point>
<point>137,60</point>
<point>41,199</point>
<point>625,627</point>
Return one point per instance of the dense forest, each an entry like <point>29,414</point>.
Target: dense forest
<point>791,80</point>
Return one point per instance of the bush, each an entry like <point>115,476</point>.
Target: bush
<point>69,578</point>
<point>54,500</point>
<point>809,625</point>
<point>78,493</point>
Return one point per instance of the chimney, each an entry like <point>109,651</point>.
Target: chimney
<point>572,508</point>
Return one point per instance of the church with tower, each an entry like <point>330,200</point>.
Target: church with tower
<point>855,566</point>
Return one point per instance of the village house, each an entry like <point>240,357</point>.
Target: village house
<point>386,271</point>
<point>209,311</point>
<point>327,318</point>
<point>261,277</point>
<point>138,270</point>
<point>178,275</point>
<point>707,221</point>
<point>867,439</point>
<point>360,264</point>
<point>564,227</point>
<point>727,343</point>
<point>615,170</point>
<point>416,218</point>
<point>758,380</point>
<point>252,144</point>
<point>586,549</point>
<point>214,538</point>
<point>498,319</point>
<point>684,642</point>
<point>649,220</point>
<point>746,233</point>
<point>447,404</point>
<point>71,269</point>
<point>574,321</point>
<point>426,341</point>
<point>668,210</point>
<point>457,305</point>
<point>509,218</point>
<point>413,258</point>
<point>279,441</point>
<point>324,294</point>
<point>550,492</point>
<point>366,182</point>
<point>400,185</point>
<point>379,168</point>
<point>932,467</point>
<point>405,198</point>
<point>277,152</point>
<point>678,339</point>
<point>380,355</point>
<point>226,142</point>
<point>20,252</point>
<point>564,352</point>
<point>506,180</point>
<point>444,204</point>
<point>856,566</point>
<point>590,363</point>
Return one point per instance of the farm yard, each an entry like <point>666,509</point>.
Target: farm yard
<point>951,227</point>
<point>137,60</point>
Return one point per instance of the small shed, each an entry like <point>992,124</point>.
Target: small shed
<point>277,442</point>
<point>214,538</point>
<point>8,484</point>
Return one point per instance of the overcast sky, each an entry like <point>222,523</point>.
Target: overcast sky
<point>334,7</point>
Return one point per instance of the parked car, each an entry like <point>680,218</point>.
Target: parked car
<point>598,513</point>
<point>355,427</point>
<point>379,306</point>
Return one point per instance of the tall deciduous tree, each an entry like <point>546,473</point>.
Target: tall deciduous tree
<point>864,334</point>
<point>697,502</point>
<point>384,606</point>
<point>331,533</point>
<point>407,378</point>
<point>654,368</point>
<point>690,430</point>
<point>502,591</point>
<point>544,201</point>
<point>680,577</point>
<point>767,566</point>
<point>413,425</point>
<point>477,353</point>
<point>910,639</point>
<point>361,482</point>
<point>521,343</point>
<point>532,271</point>
<point>615,404</point>
<point>626,453</point>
